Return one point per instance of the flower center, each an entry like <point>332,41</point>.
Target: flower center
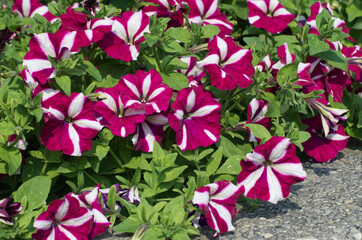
<point>68,119</point>
<point>270,14</point>
<point>268,163</point>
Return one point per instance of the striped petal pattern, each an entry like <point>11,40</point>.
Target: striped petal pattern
<point>228,64</point>
<point>69,124</point>
<point>285,57</point>
<point>206,12</point>
<point>270,170</point>
<point>218,202</point>
<point>28,8</point>
<point>256,115</point>
<point>269,15</point>
<point>8,211</point>
<point>64,219</point>
<point>145,92</point>
<point>195,118</point>
<point>167,9</point>
<point>122,42</point>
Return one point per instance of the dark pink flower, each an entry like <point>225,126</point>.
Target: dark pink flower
<point>228,64</point>
<point>270,170</point>
<point>218,201</point>
<point>64,220</point>
<point>120,120</point>
<point>265,64</point>
<point>256,115</point>
<point>145,92</point>
<point>149,131</point>
<point>59,45</point>
<point>28,8</point>
<point>269,14</point>
<point>285,57</point>
<point>167,9</point>
<point>320,147</point>
<point>122,42</point>
<point>194,71</point>
<point>69,124</point>
<point>206,12</point>
<point>195,118</point>
<point>8,211</point>
<point>354,59</point>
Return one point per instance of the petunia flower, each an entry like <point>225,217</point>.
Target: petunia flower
<point>91,201</point>
<point>218,201</point>
<point>270,170</point>
<point>120,120</point>
<point>166,9</point>
<point>228,64</point>
<point>194,72</point>
<point>28,8</point>
<point>91,6</point>
<point>57,45</point>
<point>149,131</point>
<point>256,114</point>
<point>285,57</point>
<point>320,147</point>
<point>88,30</point>
<point>69,124</point>
<point>269,14</point>
<point>145,92</point>
<point>122,42</point>
<point>8,211</point>
<point>207,12</point>
<point>353,56</point>
<point>265,64</point>
<point>64,220</point>
<point>195,118</point>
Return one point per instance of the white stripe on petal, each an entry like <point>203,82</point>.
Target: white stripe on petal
<point>184,138</point>
<point>68,40</point>
<point>40,10</point>
<point>290,169</point>
<point>260,4</point>
<point>62,210</point>
<point>201,6</point>
<point>279,150</point>
<point>210,135</point>
<point>190,103</point>
<point>123,132</point>
<point>179,114</point>
<point>89,34</point>
<point>75,222</point>
<point>43,224</point>
<point>253,19</point>
<point>134,52</point>
<point>336,137</point>
<point>99,217</point>
<point>223,47</point>
<point>132,87</point>
<point>281,11</point>
<point>109,101</point>
<point>67,233</point>
<point>59,115</point>
<point>211,59</point>
<point>75,140</point>
<point>275,190</point>
<point>85,123</point>
<point>35,65</point>
<point>157,119</point>
<point>212,9</point>
<point>272,5</point>
<point>25,5</point>
<point>250,181</point>
<point>119,30</point>
<point>146,85</point>
<point>150,138</point>
<point>155,107</point>
<point>203,111</point>
<point>256,158</point>
<point>227,192</point>
<point>235,57</point>
<point>224,214</point>
<point>218,22</point>
<point>76,105</point>
<point>201,198</point>
<point>155,93</point>
<point>133,25</point>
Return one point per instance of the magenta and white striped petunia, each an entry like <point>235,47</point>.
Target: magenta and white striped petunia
<point>167,9</point>
<point>195,118</point>
<point>353,56</point>
<point>228,64</point>
<point>269,14</point>
<point>88,30</point>
<point>149,131</point>
<point>57,45</point>
<point>207,12</point>
<point>256,115</point>
<point>8,211</point>
<point>122,42</point>
<point>194,72</point>
<point>28,8</point>
<point>69,124</point>
<point>218,202</point>
<point>64,220</point>
<point>270,170</point>
<point>285,57</point>
<point>145,92</point>
<point>120,120</point>
<point>265,64</point>
<point>91,201</point>
<point>323,148</point>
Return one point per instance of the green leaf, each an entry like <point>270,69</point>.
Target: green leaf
<point>64,83</point>
<point>130,224</point>
<point>12,157</point>
<point>231,166</point>
<point>302,137</point>
<point>151,39</point>
<point>254,42</point>
<point>214,162</point>
<point>36,190</point>
<point>140,162</point>
<point>229,149</point>
<point>316,45</point>
<point>172,173</point>
<point>209,31</point>
<point>177,81</point>
<point>66,167</point>
<point>102,151</point>
<point>337,35</point>
<point>157,154</point>
<point>89,89</point>
<point>274,109</point>
<point>240,9</point>
<point>111,201</point>
<point>7,128</point>
<point>171,46</point>
<point>287,73</point>
<point>180,34</point>
<point>353,12</point>
<point>335,59</point>
<point>91,69</point>
<point>259,131</point>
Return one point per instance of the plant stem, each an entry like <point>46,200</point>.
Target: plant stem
<point>154,49</point>
<point>92,178</point>
<point>118,160</point>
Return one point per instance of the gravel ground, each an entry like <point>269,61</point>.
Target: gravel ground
<point>327,205</point>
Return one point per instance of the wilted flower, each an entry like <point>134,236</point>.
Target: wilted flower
<point>270,170</point>
<point>8,211</point>
<point>218,202</point>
